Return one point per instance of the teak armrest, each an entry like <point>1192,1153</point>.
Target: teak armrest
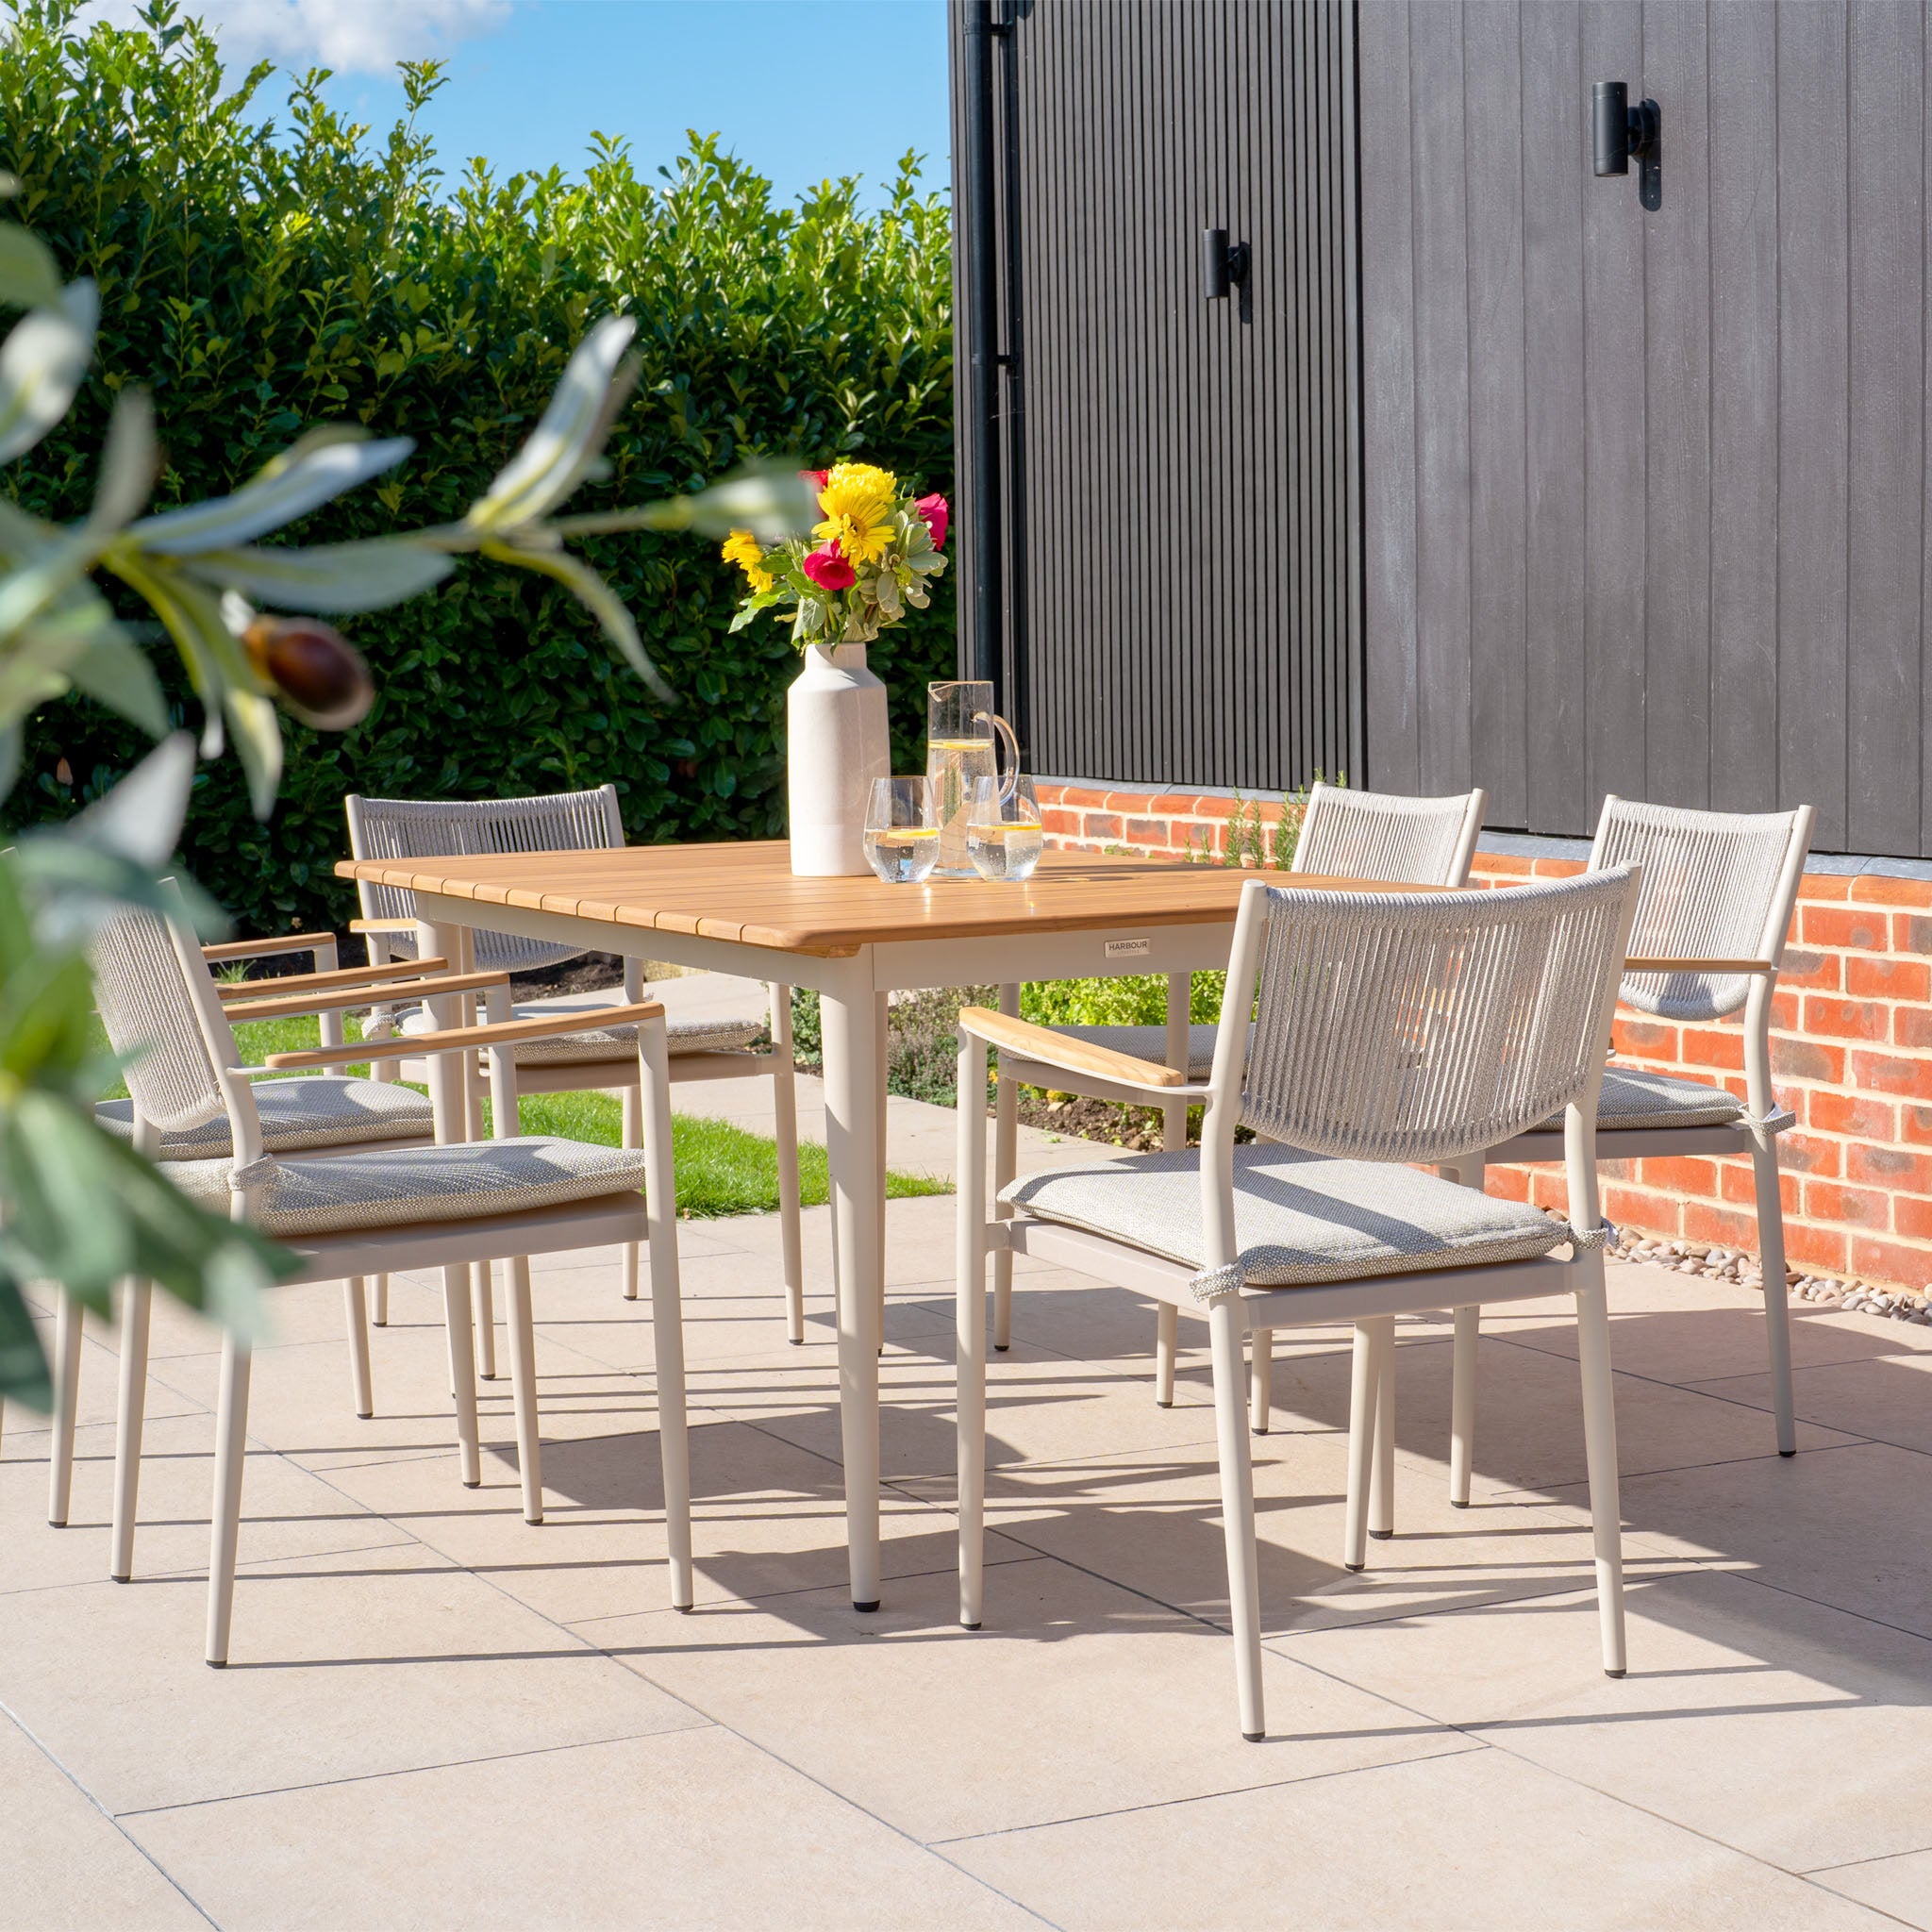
<point>364,996</point>
<point>1651,963</point>
<point>382,925</point>
<point>268,949</point>
<point>341,975</point>
<point>1022,1037</point>
<point>456,1039</point>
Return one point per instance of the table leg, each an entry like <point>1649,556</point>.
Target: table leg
<point>853,1081</point>
<point>883,1036</point>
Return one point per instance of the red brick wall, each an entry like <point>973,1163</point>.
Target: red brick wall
<point>1851,1057</point>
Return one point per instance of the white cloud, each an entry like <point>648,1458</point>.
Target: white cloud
<point>351,36</point>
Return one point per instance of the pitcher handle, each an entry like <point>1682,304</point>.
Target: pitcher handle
<point>1002,729</point>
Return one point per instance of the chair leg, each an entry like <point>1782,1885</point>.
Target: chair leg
<point>1005,1165</point>
<point>231,1443</point>
<point>1167,1330</point>
<point>667,1315</point>
<point>67,1344</point>
<point>1237,1511</point>
<point>1261,1379</point>
<point>1365,1383</point>
<point>1778,1315</point>
<point>632,1106</point>
<point>355,1312</point>
<point>483,1304</point>
<point>1600,1457</point>
<point>379,1312</point>
<point>1462,1403</point>
<point>969,1359</point>
<point>136,1297</point>
<point>456,1312</point>
<point>523,1377</point>
<point>785,1133</point>
<point>1382,1471</point>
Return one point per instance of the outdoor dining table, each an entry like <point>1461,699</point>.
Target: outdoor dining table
<point>738,908</point>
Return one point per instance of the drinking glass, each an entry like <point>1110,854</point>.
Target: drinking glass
<point>901,836</point>
<point>1004,836</point>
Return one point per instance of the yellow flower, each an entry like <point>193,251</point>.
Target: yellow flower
<point>858,503</point>
<point>747,552</point>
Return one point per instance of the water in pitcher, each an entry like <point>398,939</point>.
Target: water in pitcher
<point>953,764</point>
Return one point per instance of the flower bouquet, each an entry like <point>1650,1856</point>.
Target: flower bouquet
<point>864,564</point>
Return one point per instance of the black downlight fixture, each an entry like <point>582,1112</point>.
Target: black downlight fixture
<point>1617,131</point>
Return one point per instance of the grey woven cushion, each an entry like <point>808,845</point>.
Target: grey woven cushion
<point>1633,1099</point>
<point>698,1034</point>
<point>1299,1219</point>
<point>410,1184</point>
<point>313,1110</point>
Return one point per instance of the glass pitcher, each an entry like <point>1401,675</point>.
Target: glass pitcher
<point>962,736</point>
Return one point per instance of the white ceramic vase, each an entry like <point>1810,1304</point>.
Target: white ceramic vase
<point>836,745</point>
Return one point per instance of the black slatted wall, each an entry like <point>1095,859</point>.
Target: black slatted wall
<point>1179,479</point>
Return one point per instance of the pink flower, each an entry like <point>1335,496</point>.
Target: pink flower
<point>829,569</point>
<point>933,508</point>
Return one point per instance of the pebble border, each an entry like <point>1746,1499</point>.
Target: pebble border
<point>1733,1264</point>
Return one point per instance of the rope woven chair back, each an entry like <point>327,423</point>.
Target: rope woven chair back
<point>435,828</point>
<point>1379,835</point>
<point>149,1011</point>
<point>1404,1028</point>
<point>1716,885</point>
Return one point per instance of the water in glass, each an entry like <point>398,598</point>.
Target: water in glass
<point>902,842</point>
<point>1004,834</point>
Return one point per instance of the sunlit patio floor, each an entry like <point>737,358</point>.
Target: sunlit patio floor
<point>438,1715</point>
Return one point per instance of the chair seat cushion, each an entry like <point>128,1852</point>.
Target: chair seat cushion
<point>1632,1099</point>
<point>347,1191</point>
<point>1299,1219</point>
<point>698,1033</point>
<point>313,1110</point>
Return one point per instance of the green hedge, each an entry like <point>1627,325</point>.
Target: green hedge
<point>262,279</point>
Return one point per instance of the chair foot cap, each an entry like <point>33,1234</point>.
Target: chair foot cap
<point>1001,1347</point>
<point>383,1323</point>
<point>128,1579</point>
<point>1355,1569</point>
<point>1253,1737</point>
<point>1381,1535</point>
<point>796,1341</point>
<point>1613,1673</point>
<point>1788,1453</point>
<point>365,1415</point>
<point>858,1605</point>
<point>683,1610</point>
<point>216,1663</point>
<point>1459,1502</point>
<point>1158,1404</point>
<point>469,1484</point>
<point>964,1626</point>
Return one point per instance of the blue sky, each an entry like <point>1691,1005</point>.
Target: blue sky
<point>800,88</point>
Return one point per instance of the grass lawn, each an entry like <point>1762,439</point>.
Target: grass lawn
<point>721,1169</point>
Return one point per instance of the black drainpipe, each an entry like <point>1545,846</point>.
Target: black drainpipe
<point>979,221</point>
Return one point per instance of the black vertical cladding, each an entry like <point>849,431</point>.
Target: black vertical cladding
<point>1174,483</point>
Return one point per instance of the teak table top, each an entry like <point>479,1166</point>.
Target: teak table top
<point>746,892</point>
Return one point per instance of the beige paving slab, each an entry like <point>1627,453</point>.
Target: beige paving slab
<point>289,1512</point>
<point>24,1432</point>
<point>1849,1527</point>
<point>690,1830</point>
<point>67,1866</point>
<point>1529,1415</point>
<point>1765,1722</point>
<point>1689,1329</point>
<point>767,1517</point>
<point>1444,1844</point>
<point>1076,1696</point>
<point>1152,1522</point>
<point>1901,1885</point>
<point>1887,1397</point>
<point>341,1666</point>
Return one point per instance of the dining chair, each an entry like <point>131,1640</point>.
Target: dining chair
<point>353,1214</point>
<point>1710,938</point>
<point>598,1052</point>
<point>302,1114</point>
<point>1345,834</point>
<point>1389,1030</point>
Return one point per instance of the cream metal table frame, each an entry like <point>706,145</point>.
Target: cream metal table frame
<point>852,982</point>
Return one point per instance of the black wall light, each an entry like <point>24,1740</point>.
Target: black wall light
<point>1221,264</point>
<point>1617,131</point>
